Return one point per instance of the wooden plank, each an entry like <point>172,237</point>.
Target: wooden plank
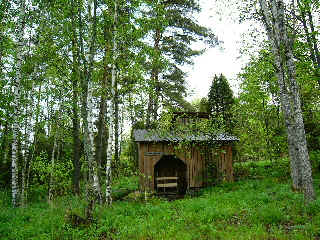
<point>148,163</point>
<point>192,167</point>
<point>159,185</point>
<point>151,165</point>
<point>188,162</point>
<point>230,164</point>
<point>151,154</point>
<point>224,167</point>
<point>198,168</point>
<point>141,165</point>
<point>201,160</point>
<point>145,172</point>
<point>167,178</point>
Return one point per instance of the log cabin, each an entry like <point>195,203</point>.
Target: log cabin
<point>167,165</point>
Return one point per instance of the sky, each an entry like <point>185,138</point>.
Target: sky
<point>224,59</point>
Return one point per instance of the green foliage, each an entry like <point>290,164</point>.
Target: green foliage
<point>259,121</point>
<point>201,105</point>
<point>173,30</point>
<point>220,101</point>
<point>61,172</point>
<point>315,159</point>
<point>279,169</point>
<point>250,209</point>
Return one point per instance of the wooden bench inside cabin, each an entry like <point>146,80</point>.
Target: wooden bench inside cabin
<point>167,182</point>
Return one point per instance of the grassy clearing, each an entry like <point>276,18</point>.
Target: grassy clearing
<point>247,209</point>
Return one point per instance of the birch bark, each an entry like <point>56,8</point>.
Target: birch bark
<point>273,13</point>
<point>111,110</point>
<point>87,100</point>
<point>17,93</point>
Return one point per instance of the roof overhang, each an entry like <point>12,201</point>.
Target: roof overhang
<point>143,135</point>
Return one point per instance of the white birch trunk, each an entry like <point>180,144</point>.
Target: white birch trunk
<point>87,102</point>
<point>282,48</point>
<point>91,159</point>
<point>17,92</point>
<point>111,112</point>
<point>121,130</point>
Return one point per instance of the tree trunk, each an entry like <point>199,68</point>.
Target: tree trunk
<point>111,110</point>
<point>33,142</point>
<point>16,117</point>
<point>150,107</point>
<point>153,103</point>
<point>76,138</point>
<point>121,131</point>
<point>155,74</point>
<point>101,130</point>
<point>116,129</point>
<point>75,109</point>
<point>314,41</point>
<point>87,103</point>
<point>103,105</point>
<point>52,180</point>
<point>282,48</point>
<point>311,40</point>
<point>27,134</point>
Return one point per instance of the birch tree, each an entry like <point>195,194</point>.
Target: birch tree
<point>75,99</point>
<point>275,22</point>
<point>17,94</point>
<point>87,98</point>
<point>308,24</point>
<point>111,108</point>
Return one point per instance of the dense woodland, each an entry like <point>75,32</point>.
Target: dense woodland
<point>78,76</point>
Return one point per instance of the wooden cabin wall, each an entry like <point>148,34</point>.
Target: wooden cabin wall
<point>225,164</point>
<point>195,159</point>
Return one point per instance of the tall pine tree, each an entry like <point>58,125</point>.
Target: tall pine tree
<point>173,29</point>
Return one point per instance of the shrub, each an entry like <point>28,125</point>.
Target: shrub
<point>256,170</point>
<point>315,160</point>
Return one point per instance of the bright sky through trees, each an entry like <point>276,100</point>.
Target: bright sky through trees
<point>224,59</point>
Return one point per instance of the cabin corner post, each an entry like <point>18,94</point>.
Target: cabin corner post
<point>141,166</point>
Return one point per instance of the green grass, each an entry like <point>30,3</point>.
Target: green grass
<point>247,209</point>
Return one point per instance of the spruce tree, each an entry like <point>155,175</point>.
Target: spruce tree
<point>220,100</point>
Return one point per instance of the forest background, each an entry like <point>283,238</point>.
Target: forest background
<point>77,77</point>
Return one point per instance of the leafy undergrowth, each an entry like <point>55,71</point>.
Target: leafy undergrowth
<point>279,169</point>
<point>248,209</point>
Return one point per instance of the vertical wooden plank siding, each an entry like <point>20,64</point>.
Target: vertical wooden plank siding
<point>145,171</point>
<point>225,167</point>
<point>141,164</point>
<point>198,168</point>
<point>230,163</point>
<point>188,162</point>
<point>194,158</point>
<point>223,163</point>
<point>153,148</point>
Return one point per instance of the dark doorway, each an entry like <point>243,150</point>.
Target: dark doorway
<point>170,175</point>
